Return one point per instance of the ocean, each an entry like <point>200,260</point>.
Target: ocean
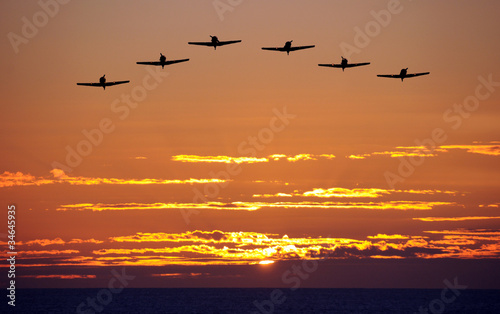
<point>258,300</point>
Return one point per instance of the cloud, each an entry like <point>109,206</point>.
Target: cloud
<point>252,206</point>
<point>338,192</point>
<point>45,242</point>
<point>219,247</point>
<point>481,232</point>
<point>181,275</point>
<point>249,160</point>
<point>18,178</point>
<point>59,276</point>
<point>386,236</point>
<point>48,252</point>
<point>434,219</point>
<point>218,159</point>
<point>8,179</point>
<point>58,241</point>
<point>496,205</point>
<point>491,149</point>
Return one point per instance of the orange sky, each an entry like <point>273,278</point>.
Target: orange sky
<point>239,157</point>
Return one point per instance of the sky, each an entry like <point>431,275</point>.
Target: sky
<point>251,168</point>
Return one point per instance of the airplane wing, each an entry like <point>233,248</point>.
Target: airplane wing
<point>417,74</point>
<point>390,76</point>
<point>166,62</point>
<point>90,84</point>
<point>274,48</point>
<point>301,47</point>
<point>352,65</point>
<point>209,43</point>
<point>349,65</point>
<point>114,83</point>
<point>222,43</point>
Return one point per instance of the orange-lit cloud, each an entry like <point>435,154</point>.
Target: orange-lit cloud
<point>180,275</point>
<point>496,205</point>
<point>395,154</point>
<point>340,192</point>
<point>19,179</point>
<point>492,149</point>
<point>59,241</point>
<point>331,192</point>
<point>45,242</point>
<point>351,193</point>
<point>49,252</point>
<point>60,276</point>
<point>387,236</point>
<point>456,218</point>
<point>480,232</point>
<point>251,206</point>
<point>248,247</point>
<point>251,248</point>
<point>218,159</point>
<point>249,160</point>
<point>156,206</point>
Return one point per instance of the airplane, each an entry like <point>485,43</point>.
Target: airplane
<point>287,47</point>
<point>102,83</point>
<point>344,64</point>
<point>403,74</point>
<point>163,61</point>
<point>214,42</point>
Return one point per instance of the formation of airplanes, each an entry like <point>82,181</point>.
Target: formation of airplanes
<point>215,42</point>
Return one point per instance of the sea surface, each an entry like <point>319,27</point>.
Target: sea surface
<point>258,300</point>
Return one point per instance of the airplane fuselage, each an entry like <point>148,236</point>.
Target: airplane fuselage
<point>163,59</point>
<point>102,80</point>
<point>215,41</point>
<point>287,46</point>
<point>403,73</point>
<point>343,64</point>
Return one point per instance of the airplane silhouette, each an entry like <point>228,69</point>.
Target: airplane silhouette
<point>214,42</point>
<point>102,83</point>
<point>163,61</point>
<point>344,64</point>
<point>287,47</point>
<point>403,74</point>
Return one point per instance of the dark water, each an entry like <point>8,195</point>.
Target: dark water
<point>254,301</point>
